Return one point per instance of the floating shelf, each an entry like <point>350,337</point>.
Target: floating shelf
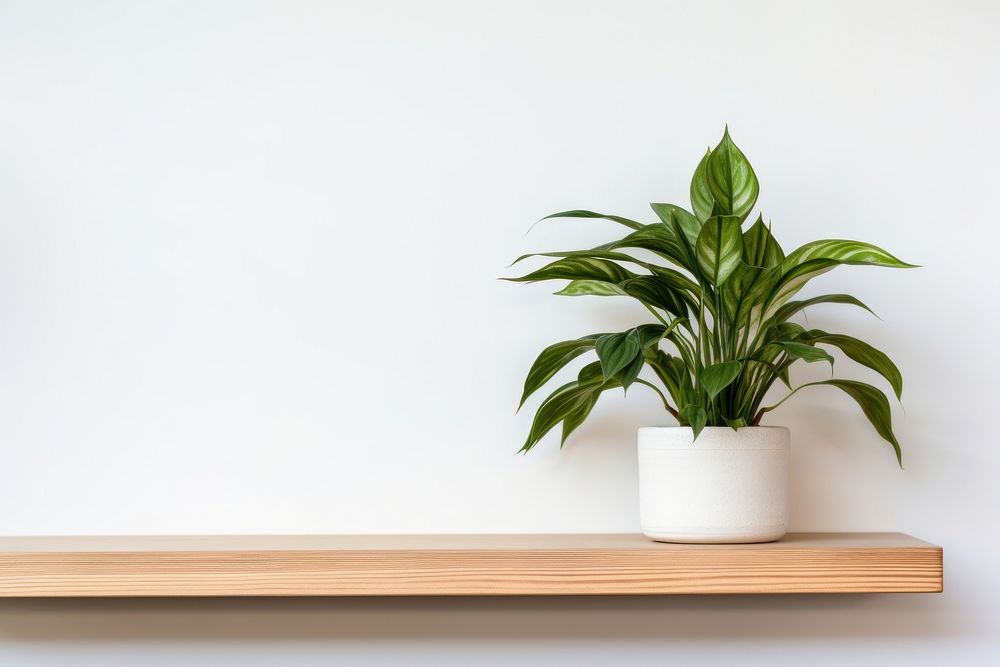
<point>555,564</point>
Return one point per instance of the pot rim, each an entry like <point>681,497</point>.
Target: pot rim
<point>681,438</point>
<point>709,428</point>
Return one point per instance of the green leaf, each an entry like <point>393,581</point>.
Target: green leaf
<point>875,406</point>
<point>591,288</point>
<point>696,418</point>
<point>702,202</point>
<point>864,354</point>
<point>616,351</point>
<point>578,268</point>
<point>811,260</point>
<point>760,248</point>
<point>767,354</point>
<point>629,374</point>
<point>656,237</point>
<point>735,292</point>
<point>657,292</point>
<point>673,373</point>
<point>804,351</point>
<point>787,283</point>
<point>600,252</point>
<point>591,373</point>
<point>649,337</point>
<point>669,238</point>
<point>688,223</point>
<point>632,224</point>
<point>793,307</point>
<point>576,417</point>
<point>844,252</point>
<point>720,248</point>
<point>731,180</point>
<point>717,377</point>
<point>650,334</point>
<point>686,256</point>
<point>679,282</point>
<point>783,331</point>
<point>553,359</point>
<point>735,424</point>
<point>571,402</point>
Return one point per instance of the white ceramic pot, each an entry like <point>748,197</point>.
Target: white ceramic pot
<point>726,487</point>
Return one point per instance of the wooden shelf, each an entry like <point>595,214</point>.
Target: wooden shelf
<point>557,564</point>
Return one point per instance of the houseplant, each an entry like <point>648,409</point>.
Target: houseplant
<point>720,295</point>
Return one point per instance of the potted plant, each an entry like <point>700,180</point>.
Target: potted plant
<point>722,336</point>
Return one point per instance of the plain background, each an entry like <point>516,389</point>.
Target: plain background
<point>248,262</point>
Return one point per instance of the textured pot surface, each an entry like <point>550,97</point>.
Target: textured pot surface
<point>726,487</point>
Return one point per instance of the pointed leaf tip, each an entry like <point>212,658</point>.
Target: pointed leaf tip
<point>696,418</point>
<point>717,377</point>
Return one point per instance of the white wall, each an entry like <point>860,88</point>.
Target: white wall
<point>247,281</point>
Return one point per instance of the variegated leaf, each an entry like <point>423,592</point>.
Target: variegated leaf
<point>656,292</point>
<point>864,354</point>
<point>844,252</point>
<point>731,180</point>
<point>632,224</point>
<point>875,406</point>
<point>760,248</point>
<point>578,268</point>
<point>657,238</point>
<point>601,252</point>
<point>804,351</point>
<point>591,288</point>
<point>720,248</point>
<point>792,280</point>
<point>793,307</point>
<point>673,373</point>
<point>702,202</point>
<point>553,359</point>
<point>690,225</point>
<point>570,404</point>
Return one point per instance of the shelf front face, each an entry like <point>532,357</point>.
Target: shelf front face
<point>551,564</point>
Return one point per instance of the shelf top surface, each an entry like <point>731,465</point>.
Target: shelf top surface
<point>429,542</point>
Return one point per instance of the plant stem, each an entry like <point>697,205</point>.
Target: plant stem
<point>655,314</point>
<point>663,398</point>
<point>756,420</point>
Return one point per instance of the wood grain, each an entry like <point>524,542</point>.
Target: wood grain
<point>552,564</point>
